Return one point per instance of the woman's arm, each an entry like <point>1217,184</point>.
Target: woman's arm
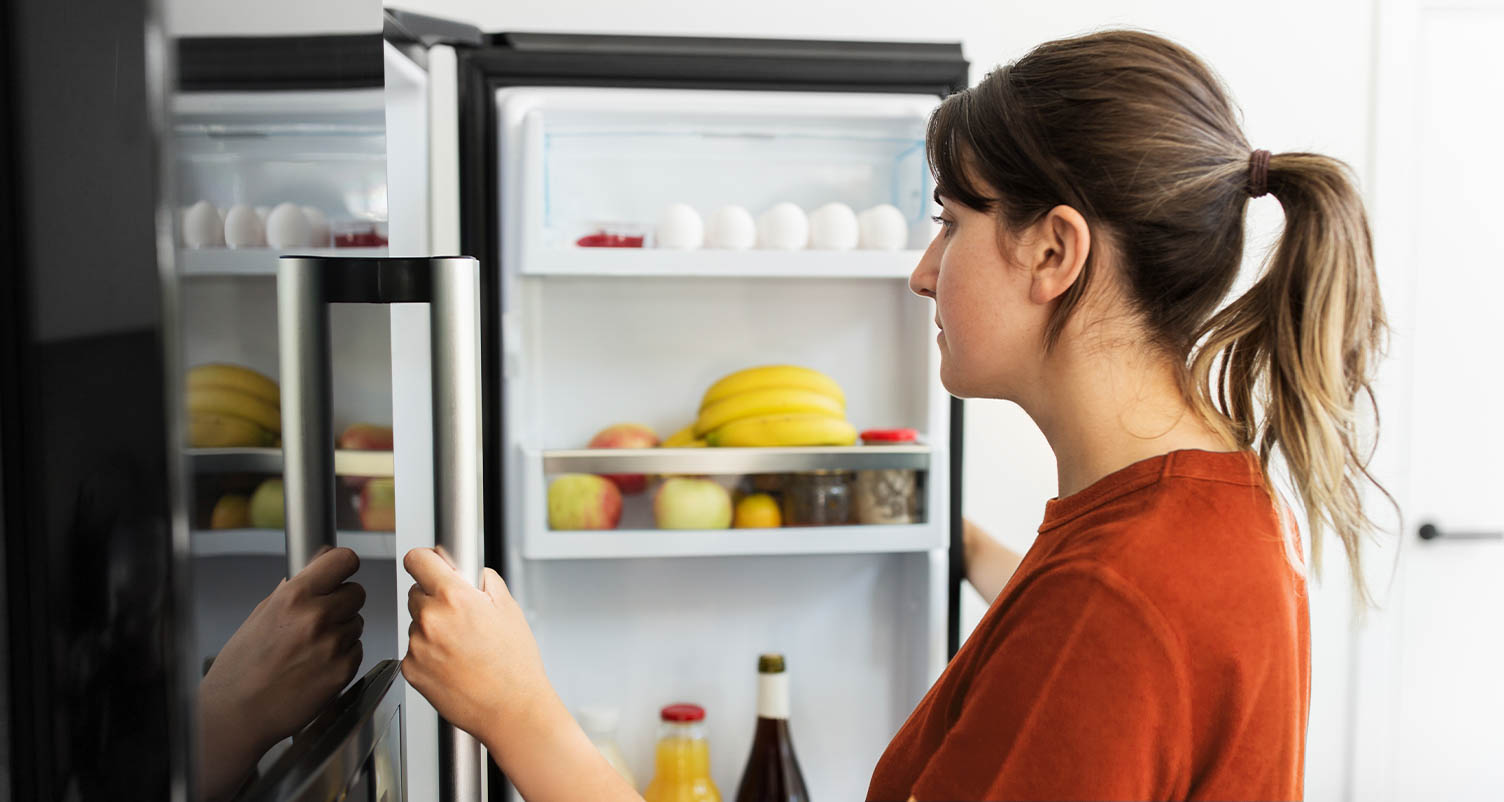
<point>471,654</point>
<point>989,564</point>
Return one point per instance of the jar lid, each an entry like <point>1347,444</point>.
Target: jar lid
<point>890,435</point>
<point>683,713</point>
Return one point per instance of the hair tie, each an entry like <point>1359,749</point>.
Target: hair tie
<point>1258,174</point>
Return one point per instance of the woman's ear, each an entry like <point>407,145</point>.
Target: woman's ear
<point>1057,253</point>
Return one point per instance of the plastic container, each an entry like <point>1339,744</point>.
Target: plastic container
<point>817,498</point>
<point>682,762</point>
<point>600,724</point>
<point>614,235</point>
<point>887,496</point>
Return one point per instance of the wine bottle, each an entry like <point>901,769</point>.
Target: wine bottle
<point>772,773</point>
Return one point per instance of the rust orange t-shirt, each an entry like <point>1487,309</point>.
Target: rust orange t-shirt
<point>1153,644</point>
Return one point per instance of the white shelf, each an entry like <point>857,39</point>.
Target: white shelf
<point>734,460</point>
<point>249,542</point>
<point>269,460</point>
<point>614,544</point>
<point>252,261</point>
<point>634,262</point>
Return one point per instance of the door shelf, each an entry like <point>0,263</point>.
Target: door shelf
<point>253,261</point>
<point>872,539</point>
<point>638,262</point>
<point>734,460</point>
<point>269,460</point>
<point>273,542</point>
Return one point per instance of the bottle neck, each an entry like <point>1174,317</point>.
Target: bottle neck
<point>773,696</point>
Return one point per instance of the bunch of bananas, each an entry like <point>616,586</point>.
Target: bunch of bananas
<point>231,406</point>
<point>772,405</point>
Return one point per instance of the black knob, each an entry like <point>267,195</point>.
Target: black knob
<point>1430,532</point>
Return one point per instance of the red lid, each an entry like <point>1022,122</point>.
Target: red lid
<point>890,435</point>
<point>682,713</point>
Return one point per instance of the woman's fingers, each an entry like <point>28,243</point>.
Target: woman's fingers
<point>428,569</point>
<point>327,571</point>
<point>345,601</point>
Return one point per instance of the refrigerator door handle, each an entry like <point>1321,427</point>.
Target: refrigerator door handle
<point>306,285</point>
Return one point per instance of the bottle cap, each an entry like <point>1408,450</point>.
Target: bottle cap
<point>682,713</point>
<point>770,664</point>
<point>890,436</point>
<point>599,719</point>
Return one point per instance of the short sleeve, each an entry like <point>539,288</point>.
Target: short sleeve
<point>1083,697</point>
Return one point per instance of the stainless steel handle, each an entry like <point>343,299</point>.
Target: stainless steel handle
<point>306,285</point>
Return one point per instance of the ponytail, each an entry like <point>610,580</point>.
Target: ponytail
<point>1294,353</point>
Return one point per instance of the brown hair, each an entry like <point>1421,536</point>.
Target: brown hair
<point>1138,135</point>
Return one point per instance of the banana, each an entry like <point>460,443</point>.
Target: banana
<point>765,402</point>
<point>210,430</point>
<point>224,401</point>
<point>773,376</point>
<point>235,377</point>
<point>684,438</point>
<point>807,429</point>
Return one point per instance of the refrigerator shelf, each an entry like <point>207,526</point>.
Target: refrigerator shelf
<point>620,544</point>
<point>269,460</point>
<point>273,542</point>
<point>734,460</point>
<point>639,262</point>
<point>252,261</point>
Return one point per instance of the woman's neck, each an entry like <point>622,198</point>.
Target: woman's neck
<point>1105,408</point>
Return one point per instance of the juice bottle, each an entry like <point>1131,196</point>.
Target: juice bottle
<point>682,771</point>
<point>599,723</point>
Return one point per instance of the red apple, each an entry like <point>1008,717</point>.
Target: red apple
<point>583,501</point>
<point>378,506</point>
<point>366,437</point>
<point>626,435</point>
<point>688,503</point>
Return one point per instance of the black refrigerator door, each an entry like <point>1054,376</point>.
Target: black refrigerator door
<point>92,625</point>
<point>542,59</point>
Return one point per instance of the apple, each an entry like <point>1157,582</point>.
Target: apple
<point>378,506</point>
<point>689,503</point>
<point>232,511</point>
<point>626,435</point>
<point>267,511</point>
<point>583,501</point>
<point>366,437</point>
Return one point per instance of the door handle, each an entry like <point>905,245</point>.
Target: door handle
<point>306,286</point>
<point>1430,532</point>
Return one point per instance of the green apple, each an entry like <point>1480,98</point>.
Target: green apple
<point>378,506</point>
<point>687,503</point>
<point>267,511</point>
<point>583,501</point>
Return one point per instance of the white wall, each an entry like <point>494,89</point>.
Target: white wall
<point>1302,73</point>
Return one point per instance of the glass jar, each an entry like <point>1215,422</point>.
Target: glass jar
<point>889,496</point>
<point>817,498</point>
<point>682,761</point>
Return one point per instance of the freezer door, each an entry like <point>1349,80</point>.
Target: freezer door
<point>306,286</point>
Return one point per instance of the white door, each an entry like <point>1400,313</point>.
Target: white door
<point>1440,671</point>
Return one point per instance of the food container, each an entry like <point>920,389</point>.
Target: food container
<point>817,498</point>
<point>359,234</point>
<point>889,496</point>
<point>614,235</point>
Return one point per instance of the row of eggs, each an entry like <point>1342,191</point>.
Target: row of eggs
<point>785,227</point>
<point>287,225</point>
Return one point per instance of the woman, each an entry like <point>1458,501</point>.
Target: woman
<point>1153,643</point>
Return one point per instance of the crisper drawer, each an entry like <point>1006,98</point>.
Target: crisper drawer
<point>585,172</point>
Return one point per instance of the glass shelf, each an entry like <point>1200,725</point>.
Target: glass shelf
<point>273,542</point>
<point>269,460</point>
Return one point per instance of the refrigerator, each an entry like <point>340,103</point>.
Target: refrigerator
<point>539,145</point>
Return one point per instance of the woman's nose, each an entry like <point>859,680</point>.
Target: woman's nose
<point>922,280</point>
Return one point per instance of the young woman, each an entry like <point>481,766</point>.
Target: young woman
<point>1153,643</point>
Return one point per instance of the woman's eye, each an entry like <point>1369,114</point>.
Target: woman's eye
<point>945,225</point>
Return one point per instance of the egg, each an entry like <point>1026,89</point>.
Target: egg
<point>680,228</point>
<point>833,227</point>
<point>318,227</point>
<point>783,228</point>
<point>243,228</point>
<point>202,227</point>
<point>731,228</point>
<point>883,228</point>
<point>287,227</point>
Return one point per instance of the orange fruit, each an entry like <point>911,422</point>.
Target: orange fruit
<point>757,511</point>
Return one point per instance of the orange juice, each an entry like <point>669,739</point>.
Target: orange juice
<point>682,766</point>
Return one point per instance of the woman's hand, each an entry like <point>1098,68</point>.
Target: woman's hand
<point>291,656</point>
<point>471,654</point>
<point>469,649</point>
